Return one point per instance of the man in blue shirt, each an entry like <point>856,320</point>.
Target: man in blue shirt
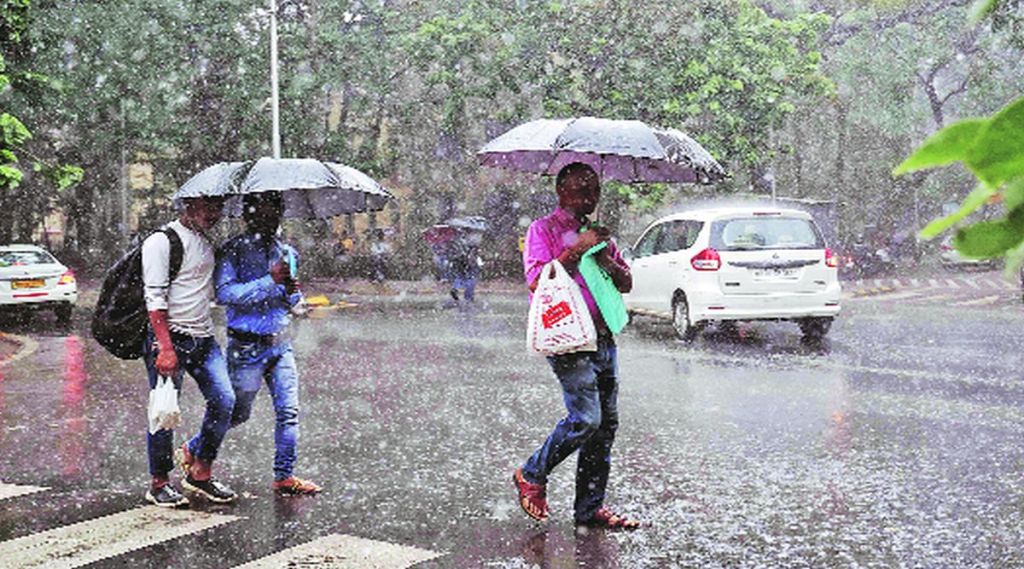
<point>254,279</point>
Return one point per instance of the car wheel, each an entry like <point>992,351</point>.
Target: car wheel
<point>63,313</point>
<point>685,330</point>
<point>815,328</point>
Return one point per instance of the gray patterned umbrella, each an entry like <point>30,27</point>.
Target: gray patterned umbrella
<point>312,189</point>
<point>623,150</point>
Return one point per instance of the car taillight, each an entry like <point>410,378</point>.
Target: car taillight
<point>67,278</point>
<point>831,260</point>
<point>707,260</point>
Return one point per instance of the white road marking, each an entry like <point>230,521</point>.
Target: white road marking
<point>952,283</point>
<point>102,538</point>
<point>915,282</point>
<point>972,284</point>
<point>896,283</point>
<point>891,296</point>
<point>12,490</point>
<point>934,283</point>
<point>977,301</point>
<point>339,551</point>
<point>936,297</point>
<point>991,283</point>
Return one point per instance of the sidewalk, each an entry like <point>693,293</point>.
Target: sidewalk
<point>336,289</point>
<point>363,287</point>
<point>9,345</point>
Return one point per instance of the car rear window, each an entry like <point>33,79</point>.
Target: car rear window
<point>751,233</point>
<point>22,258</point>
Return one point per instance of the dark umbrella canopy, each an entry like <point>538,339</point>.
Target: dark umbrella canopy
<point>312,189</point>
<point>624,150</point>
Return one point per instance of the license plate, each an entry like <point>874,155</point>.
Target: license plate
<point>33,283</point>
<point>775,273</point>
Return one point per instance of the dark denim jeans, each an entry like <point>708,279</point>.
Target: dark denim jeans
<point>590,388</point>
<point>252,363</point>
<point>204,361</point>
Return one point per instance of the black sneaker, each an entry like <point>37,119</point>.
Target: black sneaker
<point>166,497</point>
<point>454,294</point>
<point>210,489</point>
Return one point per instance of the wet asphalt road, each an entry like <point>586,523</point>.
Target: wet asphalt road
<point>896,442</point>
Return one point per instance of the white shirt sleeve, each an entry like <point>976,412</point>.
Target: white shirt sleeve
<point>156,266</point>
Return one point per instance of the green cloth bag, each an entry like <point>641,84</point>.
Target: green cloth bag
<point>608,298</point>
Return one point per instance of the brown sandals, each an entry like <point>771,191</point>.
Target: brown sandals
<point>532,497</point>
<point>607,519</point>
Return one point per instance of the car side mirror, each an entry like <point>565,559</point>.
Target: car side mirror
<point>627,253</point>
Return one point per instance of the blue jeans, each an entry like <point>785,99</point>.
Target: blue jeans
<point>590,388</point>
<point>468,284</point>
<point>203,360</point>
<point>252,363</point>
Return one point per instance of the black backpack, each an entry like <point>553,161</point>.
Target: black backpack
<point>120,319</point>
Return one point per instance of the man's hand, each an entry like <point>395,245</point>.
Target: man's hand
<point>604,259</point>
<point>591,237</point>
<point>280,272</point>
<point>292,286</point>
<point>166,360</point>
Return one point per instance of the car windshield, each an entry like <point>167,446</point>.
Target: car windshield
<point>22,258</point>
<point>754,233</point>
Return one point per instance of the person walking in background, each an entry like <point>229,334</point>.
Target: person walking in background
<point>589,380</point>
<point>380,252</point>
<point>343,249</point>
<point>255,281</point>
<point>181,339</point>
<point>464,260</point>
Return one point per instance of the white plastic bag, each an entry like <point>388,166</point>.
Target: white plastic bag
<point>163,406</point>
<point>559,321</point>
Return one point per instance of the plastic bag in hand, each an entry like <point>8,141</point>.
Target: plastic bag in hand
<point>560,321</point>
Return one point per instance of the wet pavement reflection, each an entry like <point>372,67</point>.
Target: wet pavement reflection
<point>895,441</point>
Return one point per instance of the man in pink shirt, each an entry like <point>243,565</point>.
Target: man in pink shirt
<point>589,379</point>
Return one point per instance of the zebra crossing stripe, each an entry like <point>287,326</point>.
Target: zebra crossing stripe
<point>102,538</point>
<point>992,284</point>
<point>952,283</point>
<point>13,490</point>
<point>339,551</point>
<point>971,283</point>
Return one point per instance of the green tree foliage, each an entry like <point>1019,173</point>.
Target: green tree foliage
<point>829,92</point>
<point>13,134</point>
<point>993,150</point>
<point>15,137</point>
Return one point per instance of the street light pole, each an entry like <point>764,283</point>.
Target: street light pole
<point>274,102</point>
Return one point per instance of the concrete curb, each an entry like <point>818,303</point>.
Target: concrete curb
<point>872,291</point>
<point>20,346</point>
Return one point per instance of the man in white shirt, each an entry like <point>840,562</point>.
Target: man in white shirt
<point>181,339</point>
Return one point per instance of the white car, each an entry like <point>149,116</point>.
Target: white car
<point>30,277</point>
<point>735,264</point>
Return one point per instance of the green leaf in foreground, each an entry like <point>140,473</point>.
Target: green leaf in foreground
<point>949,145</point>
<point>997,154</point>
<point>1013,193</point>
<point>981,10</point>
<point>973,201</point>
<point>991,238</point>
